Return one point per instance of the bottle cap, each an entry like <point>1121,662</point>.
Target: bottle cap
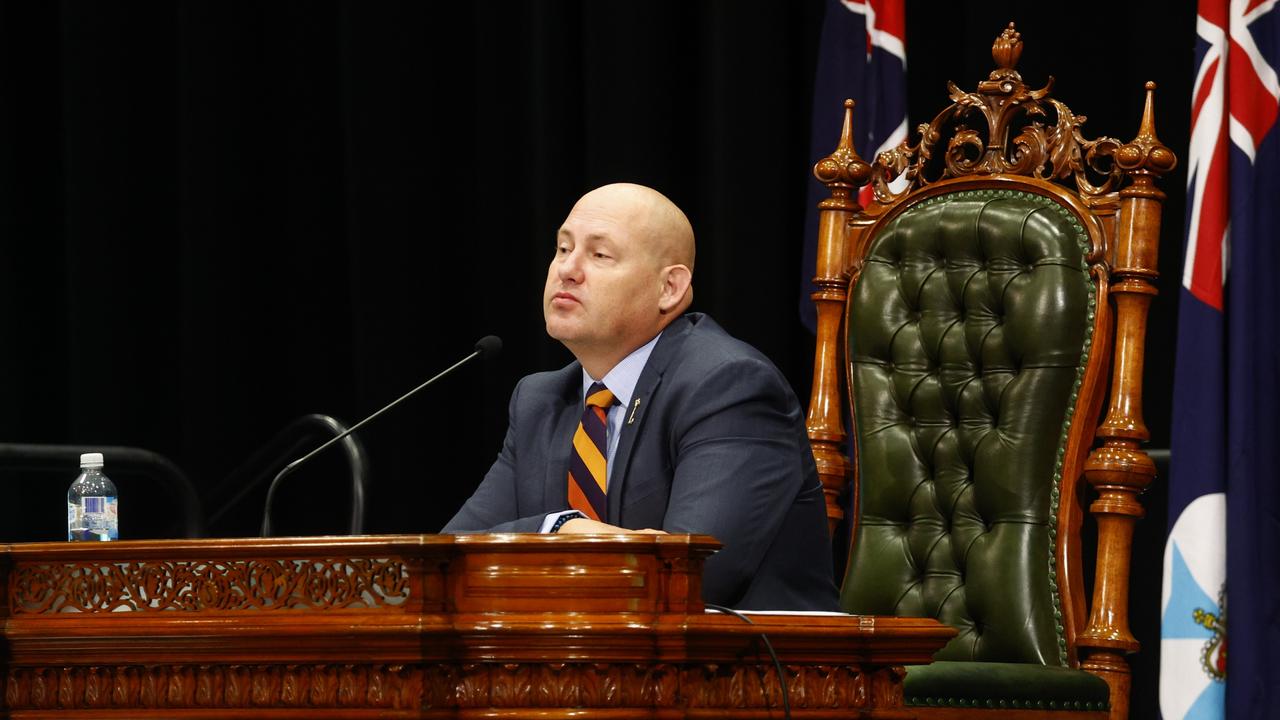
<point>91,460</point>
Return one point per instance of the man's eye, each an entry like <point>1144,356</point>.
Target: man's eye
<point>601,256</point>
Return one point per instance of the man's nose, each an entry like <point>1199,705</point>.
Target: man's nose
<point>570,268</point>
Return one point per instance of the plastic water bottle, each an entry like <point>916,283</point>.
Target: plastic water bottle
<point>91,503</point>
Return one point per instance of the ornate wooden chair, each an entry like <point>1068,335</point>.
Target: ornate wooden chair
<point>973,317</point>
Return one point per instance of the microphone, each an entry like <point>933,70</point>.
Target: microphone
<point>487,348</point>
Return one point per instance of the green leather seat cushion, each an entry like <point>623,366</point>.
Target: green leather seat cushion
<point>1004,685</point>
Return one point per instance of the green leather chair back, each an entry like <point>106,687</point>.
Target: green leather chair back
<point>968,329</point>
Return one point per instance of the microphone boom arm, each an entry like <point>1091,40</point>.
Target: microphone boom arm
<point>483,348</point>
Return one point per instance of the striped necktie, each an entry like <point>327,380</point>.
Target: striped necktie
<point>587,462</point>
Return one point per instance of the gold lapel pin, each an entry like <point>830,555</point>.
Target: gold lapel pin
<point>634,406</point>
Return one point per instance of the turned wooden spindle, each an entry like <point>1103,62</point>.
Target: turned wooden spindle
<point>843,172</point>
<point>1120,470</point>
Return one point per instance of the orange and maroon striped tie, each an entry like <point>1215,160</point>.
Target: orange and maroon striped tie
<point>587,463</point>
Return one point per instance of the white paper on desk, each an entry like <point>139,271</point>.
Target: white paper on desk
<point>810,613</point>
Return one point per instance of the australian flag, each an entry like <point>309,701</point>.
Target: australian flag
<point>861,55</point>
<point>1224,489</point>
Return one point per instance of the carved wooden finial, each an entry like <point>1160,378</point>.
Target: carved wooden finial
<point>1007,49</point>
<point>843,172</point>
<point>843,168</point>
<point>1145,154</point>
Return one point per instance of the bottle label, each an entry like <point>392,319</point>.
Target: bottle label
<point>96,518</point>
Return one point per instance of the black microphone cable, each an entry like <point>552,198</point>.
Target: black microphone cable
<point>777,664</point>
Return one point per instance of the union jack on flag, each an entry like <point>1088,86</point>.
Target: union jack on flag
<point>1235,102</point>
<point>861,55</point>
<point>1224,500</point>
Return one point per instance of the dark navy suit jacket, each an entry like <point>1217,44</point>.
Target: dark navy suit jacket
<point>717,445</point>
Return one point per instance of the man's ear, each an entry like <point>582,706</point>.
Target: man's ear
<point>677,281</point>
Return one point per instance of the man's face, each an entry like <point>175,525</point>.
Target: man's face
<point>604,284</point>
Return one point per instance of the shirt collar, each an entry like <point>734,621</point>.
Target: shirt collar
<point>622,379</point>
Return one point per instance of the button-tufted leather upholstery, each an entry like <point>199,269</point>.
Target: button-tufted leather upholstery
<point>968,329</point>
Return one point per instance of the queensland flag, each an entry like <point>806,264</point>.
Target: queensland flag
<point>861,55</point>
<point>1224,485</point>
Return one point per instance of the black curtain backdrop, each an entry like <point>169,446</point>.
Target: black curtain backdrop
<point>218,216</point>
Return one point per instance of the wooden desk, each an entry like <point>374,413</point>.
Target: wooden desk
<point>421,626</point>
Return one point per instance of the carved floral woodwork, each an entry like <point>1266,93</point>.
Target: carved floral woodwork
<point>208,585</point>
<point>420,626</point>
<point>1005,127</point>
<point>472,685</point>
<point>215,686</point>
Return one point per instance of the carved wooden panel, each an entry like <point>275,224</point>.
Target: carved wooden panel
<point>420,627</point>
<point>1005,127</point>
<point>215,686</point>
<point>474,685</point>
<point>195,585</point>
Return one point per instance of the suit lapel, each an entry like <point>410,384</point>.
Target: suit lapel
<point>565,422</point>
<point>632,422</point>
<point>641,407</point>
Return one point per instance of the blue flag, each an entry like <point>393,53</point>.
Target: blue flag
<point>1224,485</point>
<point>861,55</point>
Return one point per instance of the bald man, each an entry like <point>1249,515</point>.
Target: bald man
<point>664,423</point>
